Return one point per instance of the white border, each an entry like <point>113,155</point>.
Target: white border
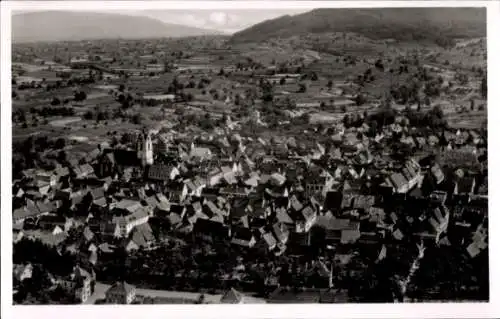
<point>430,310</point>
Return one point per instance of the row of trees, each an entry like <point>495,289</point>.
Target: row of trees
<point>19,115</point>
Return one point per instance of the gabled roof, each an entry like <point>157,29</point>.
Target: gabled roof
<point>97,193</point>
<point>332,223</point>
<point>295,203</point>
<point>88,234</point>
<point>160,172</point>
<point>25,212</point>
<point>269,239</point>
<point>363,201</point>
<point>284,217</point>
<point>308,213</point>
<point>142,235</point>
<point>235,297</point>
<point>121,288</point>
<point>128,204</point>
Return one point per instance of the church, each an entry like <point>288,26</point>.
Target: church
<point>145,149</point>
<point>115,161</point>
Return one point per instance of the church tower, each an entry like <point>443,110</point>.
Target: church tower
<point>145,148</point>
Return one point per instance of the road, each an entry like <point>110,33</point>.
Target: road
<point>100,290</point>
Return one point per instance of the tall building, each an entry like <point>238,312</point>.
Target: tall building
<point>145,148</point>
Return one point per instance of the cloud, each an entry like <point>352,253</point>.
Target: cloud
<point>193,20</point>
<point>218,18</point>
<point>223,20</point>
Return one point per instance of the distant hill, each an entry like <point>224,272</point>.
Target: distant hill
<point>434,24</point>
<point>67,26</point>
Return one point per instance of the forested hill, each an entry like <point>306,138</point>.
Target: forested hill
<point>434,24</point>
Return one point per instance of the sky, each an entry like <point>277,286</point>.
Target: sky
<point>228,21</point>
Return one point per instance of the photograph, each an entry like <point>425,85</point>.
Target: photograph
<point>295,155</point>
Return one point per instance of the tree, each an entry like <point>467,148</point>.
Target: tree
<point>282,81</point>
<point>302,88</point>
<point>360,100</point>
<point>60,143</point>
<point>484,87</point>
<point>137,119</point>
<point>329,84</point>
<point>462,78</point>
<point>61,157</point>
<point>80,96</point>
<point>314,76</point>
<point>379,65</point>
<point>346,120</point>
<point>88,115</point>
<point>55,101</point>
<point>427,101</point>
<point>126,138</point>
<point>101,116</point>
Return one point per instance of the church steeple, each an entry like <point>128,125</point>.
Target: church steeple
<point>145,148</point>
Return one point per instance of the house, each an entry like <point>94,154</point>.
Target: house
<point>195,186</point>
<point>339,230</point>
<point>21,214</point>
<point>321,184</point>
<point>281,233</point>
<point>364,157</point>
<point>83,171</point>
<point>234,191</point>
<point>98,196</point>
<point>17,234</point>
<point>109,229</point>
<point>134,215</point>
<point>46,207</point>
<point>200,153</point>
<point>52,221</point>
<point>464,186</point>
<point>78,283</point>
<point>479,242</point>
<point>269,241</point>
<point>243,237</point>
<point>121,293</point>
<point>233,296</point>
<point>285,219</point>
<point>22,272</point>
<point>46,178</point>
<point>438,221</point>
<point>162,172</point>
<point>437,174</point>
<point>439,197</point>
<point>142,236</point>
<point>304,219</point>
<point>405,179</point>
<point>177,192</point>
<point>363,202</point>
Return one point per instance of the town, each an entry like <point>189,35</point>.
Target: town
<point>199,170</point>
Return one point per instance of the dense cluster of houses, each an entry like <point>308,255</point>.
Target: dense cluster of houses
<point>275,195</point>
